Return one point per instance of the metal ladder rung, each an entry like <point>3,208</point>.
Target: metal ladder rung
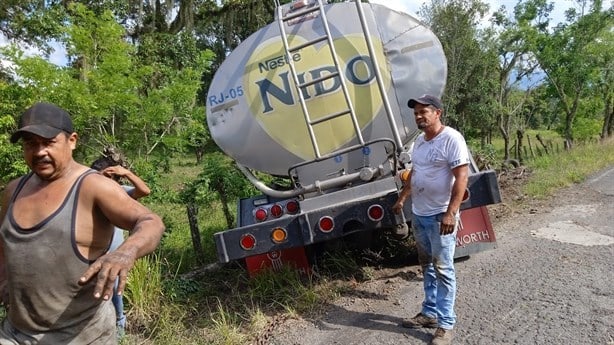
<point>307,44</point>
<point>300,88</point>
<point>330,117</point>
<point>300,13</point>
<point>317,80</point>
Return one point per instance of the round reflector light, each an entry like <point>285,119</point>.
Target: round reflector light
<point>279,235</point>
<point>277,211</point>
<point>248,241</point>
<point>292,207</point>
<point>326,224</point>
<point>260,214</point>
<point>375,213</point>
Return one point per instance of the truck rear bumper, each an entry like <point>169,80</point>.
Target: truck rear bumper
<point>348,209</point>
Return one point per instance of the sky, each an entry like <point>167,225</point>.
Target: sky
<point>412,6</point>
<point>407,6</point>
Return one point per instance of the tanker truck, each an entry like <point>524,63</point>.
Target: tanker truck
<point>319,98</point>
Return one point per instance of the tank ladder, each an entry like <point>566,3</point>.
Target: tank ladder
<point>316,9</point>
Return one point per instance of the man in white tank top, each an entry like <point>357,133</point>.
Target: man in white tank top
<point>436,183</point>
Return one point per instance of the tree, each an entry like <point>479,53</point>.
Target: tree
<point>601,51</point>
<point>516,67</point>
<point>472,64</point>
<point>562,57</point>
<point>116,93</point>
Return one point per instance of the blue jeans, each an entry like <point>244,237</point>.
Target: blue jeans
<point>436,256</point>
<point>118,301</point>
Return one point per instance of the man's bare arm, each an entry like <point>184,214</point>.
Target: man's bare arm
<point>403,195</point>
<point>140,187</point>
<point>146,229</point>
<point>461,178</point>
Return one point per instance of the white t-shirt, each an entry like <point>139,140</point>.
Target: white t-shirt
<point>432,164</point>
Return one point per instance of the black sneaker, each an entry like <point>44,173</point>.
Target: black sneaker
<point>419,321</point>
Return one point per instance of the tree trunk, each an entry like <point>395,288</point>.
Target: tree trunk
<point>519,155</point>
<point>541,141</point>
<point>194,231</point>
<point>608,119</point>
<point>226,210</point>
<point>506,144</point>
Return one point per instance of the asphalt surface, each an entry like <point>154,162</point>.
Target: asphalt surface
<point>549,281</point>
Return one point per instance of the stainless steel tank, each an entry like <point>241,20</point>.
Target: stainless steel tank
<point>253,111</point>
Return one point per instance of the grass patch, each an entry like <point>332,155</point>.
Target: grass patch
<point>551,172</point>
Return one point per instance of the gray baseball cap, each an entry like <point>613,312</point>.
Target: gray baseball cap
<point>426,100</point>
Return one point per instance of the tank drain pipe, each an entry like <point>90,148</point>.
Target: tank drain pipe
<point>365,174</point>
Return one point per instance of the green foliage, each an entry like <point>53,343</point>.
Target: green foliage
<point>485,156</point>
<point>11,163</point>
<point>219,175</point>
<point>144,294</point>
<point>585,129</point>
<point>472,64</point>
<point>561,54</point>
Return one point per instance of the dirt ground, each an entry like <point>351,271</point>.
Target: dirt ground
<point>531,289</point>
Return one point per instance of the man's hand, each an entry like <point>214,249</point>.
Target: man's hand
<point>106,269</point>
<point>448,223</point>
<point>115,170</point>
<point>397,207</point>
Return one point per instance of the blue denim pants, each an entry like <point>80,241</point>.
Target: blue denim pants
<point>436,256</point>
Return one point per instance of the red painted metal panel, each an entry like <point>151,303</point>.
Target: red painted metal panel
<point>277,259</point>
<point>475,227</point>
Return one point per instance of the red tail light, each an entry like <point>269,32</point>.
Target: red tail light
<point>248,241</point>
<point>326,224</point>
<point>375,213</point>
<point>292,207</point>
<point>260,214</point>
<point>277,211</point>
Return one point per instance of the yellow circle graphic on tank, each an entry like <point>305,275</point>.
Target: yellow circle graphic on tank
<point>275,103</point>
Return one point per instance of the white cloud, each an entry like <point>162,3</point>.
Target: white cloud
<point>57,56</point>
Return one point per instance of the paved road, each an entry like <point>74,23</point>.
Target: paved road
<point>550,281</point>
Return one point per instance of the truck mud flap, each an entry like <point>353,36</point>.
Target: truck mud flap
<point>475,233</point>
<point>483,190</point>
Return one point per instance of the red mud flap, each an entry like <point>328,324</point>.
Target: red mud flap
<point>475,233</point>
<point>275,260</point>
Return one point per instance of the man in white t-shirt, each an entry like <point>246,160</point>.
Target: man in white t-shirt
<point>436,183</point>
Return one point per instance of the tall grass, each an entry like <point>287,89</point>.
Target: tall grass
<point>551,172</point>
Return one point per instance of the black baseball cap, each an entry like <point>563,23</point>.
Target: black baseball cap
<point>426,100</point>
<point>45,120</point>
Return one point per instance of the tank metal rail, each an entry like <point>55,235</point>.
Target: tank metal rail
<point>282,20</point>
<point>340,152</point>
<point>318,7</point>
<point>378,77</point>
